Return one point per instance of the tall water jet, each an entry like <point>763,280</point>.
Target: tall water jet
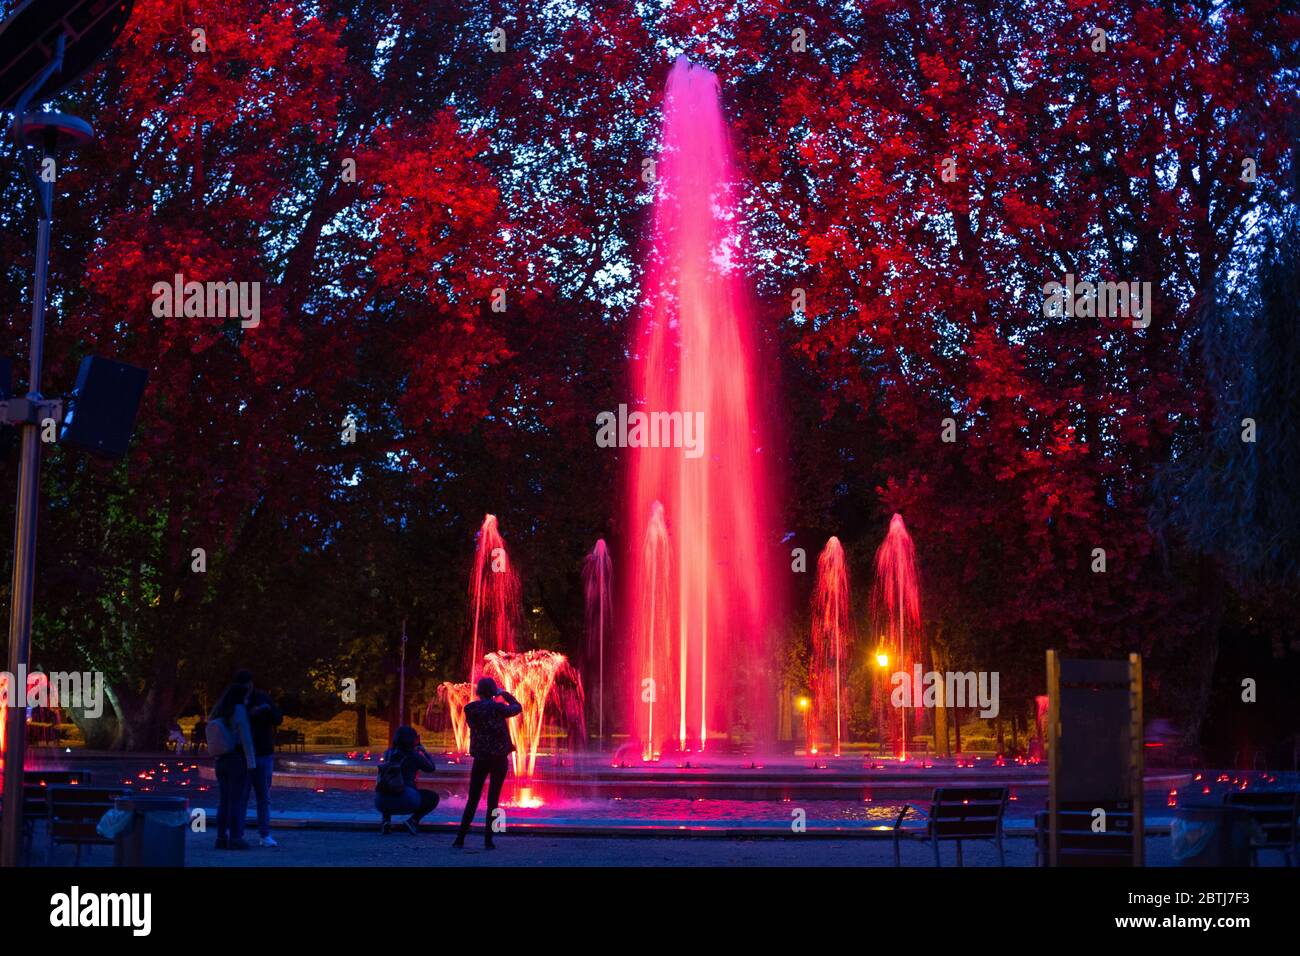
<point>494,598</point>
<point>896,618</point>
<point>597,575</point>
<point>832,641</point>
<point>694,361</point>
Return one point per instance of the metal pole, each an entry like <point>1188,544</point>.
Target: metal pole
<point>20,613</point>
<point>401,678</point>
<point>600,712</point>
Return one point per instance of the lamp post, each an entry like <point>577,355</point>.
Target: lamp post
<point>401,681</point>
<point>63,39</point>
<point>51,131</point>
<point>882,664</point>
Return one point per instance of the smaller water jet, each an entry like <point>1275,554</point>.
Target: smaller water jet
<point>597,575</point>
<point>453,696</point>
<point>654,632</point>
<point>543,682</point>
<point>494,598</point>
<point>547,687</point>
<point>896,618</point>
<point>832,640</point>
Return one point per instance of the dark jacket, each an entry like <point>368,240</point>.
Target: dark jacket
<point>409,800</point>
<point>265,717</point>
<point>413,762</point>
<point>489,735</point>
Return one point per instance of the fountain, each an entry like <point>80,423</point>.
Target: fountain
<point>597,572</point>
<point>832,640</point>
<point>494,598</point>
<point>542,681</point>
<point>454,696</point>
<point>896,617</point>
<point>699,571</point>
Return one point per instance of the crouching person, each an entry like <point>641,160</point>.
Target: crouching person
<point>396,790</point>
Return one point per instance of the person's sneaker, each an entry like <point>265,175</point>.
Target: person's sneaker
<point>489,845</point>
<point>458,843</point>
<point>411,828</point>
<point>238,844</point>
<point>222,843</point>
<point>267,841</point>
<point>385,829</point>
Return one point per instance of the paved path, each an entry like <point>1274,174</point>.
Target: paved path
<point>352,848</point>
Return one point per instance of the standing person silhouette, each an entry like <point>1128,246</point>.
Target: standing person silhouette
<point>490,746</point>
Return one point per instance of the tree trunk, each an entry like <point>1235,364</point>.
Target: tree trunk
<point>363,732</point>
<point>105,731</point>
<point>145,718</point>
<point>941,748</point>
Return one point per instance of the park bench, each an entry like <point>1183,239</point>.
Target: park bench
<point>1078,844</point>
<point>54,778</point>
<point>1273,816</point>
<point>35,786</point>
<point>74,811</point>
<point>292,739</point>
<point>915,748</point>
<point>957,814</point>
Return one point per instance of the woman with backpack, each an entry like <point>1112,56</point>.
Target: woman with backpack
<point>395,790</point>
<point>230,740</point>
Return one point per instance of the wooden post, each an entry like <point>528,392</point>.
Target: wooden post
<point>1053,751</point>
<point>1137,770</point>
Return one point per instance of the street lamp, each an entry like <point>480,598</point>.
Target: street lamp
<point>45,46</point>
<point>882,662</point>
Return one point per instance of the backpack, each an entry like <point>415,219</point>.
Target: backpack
<point>391,779</point>
<point>221,740</point>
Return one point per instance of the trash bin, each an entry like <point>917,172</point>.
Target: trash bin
<point>147,831</point>
<point>1211,835</point>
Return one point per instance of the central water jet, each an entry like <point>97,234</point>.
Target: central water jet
<point>698,564</point>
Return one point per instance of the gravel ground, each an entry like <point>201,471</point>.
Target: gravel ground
<point>350,848</point>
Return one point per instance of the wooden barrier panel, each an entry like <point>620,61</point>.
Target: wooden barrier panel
<point>1094,742</point>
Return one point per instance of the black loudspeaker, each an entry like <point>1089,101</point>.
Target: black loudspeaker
<point>101,409</point>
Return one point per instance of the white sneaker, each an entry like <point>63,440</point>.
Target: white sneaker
<point>267,841</point>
